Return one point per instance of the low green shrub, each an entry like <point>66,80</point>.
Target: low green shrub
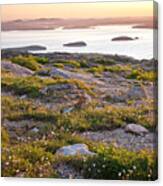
<point>41,60</point>
<point>119,164</point>
<point>110,117</point>
<point>17,109</point>
<point>4,136</point>
<point>27,61</point>
<point>118,68</point>
<point>71,63</point>
<point>103,61</point>
<point>140,74</point>
<point>58,65</point>
<point>84,64</point>
<point>27,161</point>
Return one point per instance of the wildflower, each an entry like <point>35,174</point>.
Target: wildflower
<point>149,175</point>
<point>9,157</point>
<point>119,174</point>
<point>7,163</point>
<point>130,171</point>
<point>134,167</point>
<point>94,165</point>
<point>17,170</point>
<point>103,166</point>
<point>41,175</point>
<point>124,171</point>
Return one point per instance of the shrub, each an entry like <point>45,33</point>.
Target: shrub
<point>27,61</point>
<point>27,161</point>
<point>31,85</point>
<point>58,65</point>
<point>17,109</point>
<point>110,117</point>
<point>140,74</point>
<point>118,68</point>
<point>84,64</point>
<point>41,60</point>
<point>96,70</point>
<point>22,85</point>
<point>4,136</point>
<point>103,61</point>
<point>71,63</point>
<point>120,164</point>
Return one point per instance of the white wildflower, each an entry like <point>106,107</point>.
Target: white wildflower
<point>134,167</point>
<point>124,171</point>
<point>119,174</point>
<point>9,157</point>
<point>94,165</point>
<point>17,170</point>
<point>103,166</point>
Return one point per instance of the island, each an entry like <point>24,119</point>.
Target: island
<point>75,44</point>
<point>27,48</point>
<point>124,38</point>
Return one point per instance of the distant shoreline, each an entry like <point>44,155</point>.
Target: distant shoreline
<point>11,52</point>
<point>47,24</point>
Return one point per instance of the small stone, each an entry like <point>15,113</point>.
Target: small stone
<point>136,92</point>
<point>136,129</point>
<point>35,130</point>
<point>76,149</point>
<point>67,110</point>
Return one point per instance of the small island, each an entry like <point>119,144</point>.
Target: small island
<point>75,44</point>
<point>124,38</point>
<point>27,48</point>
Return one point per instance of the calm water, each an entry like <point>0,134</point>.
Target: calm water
<point>98,40</point>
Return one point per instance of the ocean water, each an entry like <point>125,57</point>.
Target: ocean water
<point>98,40</point>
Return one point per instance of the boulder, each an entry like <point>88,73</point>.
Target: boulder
<point>57,87</point>
<point>76,149</point>
<point>16,69</point>
<point>59,72</point>
<point>136,92</point>
<point>136,129</point>
<point>75,44</point>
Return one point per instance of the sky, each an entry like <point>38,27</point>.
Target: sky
<point>77,10</point>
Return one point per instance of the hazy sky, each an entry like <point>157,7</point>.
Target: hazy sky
<point>77,10</point>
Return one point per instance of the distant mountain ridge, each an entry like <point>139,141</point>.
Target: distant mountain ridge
<point>53,23</point>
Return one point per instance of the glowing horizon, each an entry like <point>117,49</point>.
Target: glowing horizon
<point>77,10</point>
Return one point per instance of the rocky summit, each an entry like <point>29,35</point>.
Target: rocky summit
<point>69,115</point>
